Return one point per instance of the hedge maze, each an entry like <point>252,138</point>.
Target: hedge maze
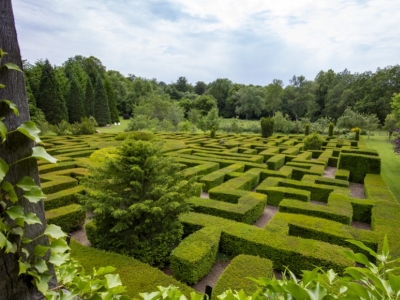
<point>242,177</point>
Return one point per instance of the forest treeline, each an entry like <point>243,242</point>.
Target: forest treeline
<point>82,87</point>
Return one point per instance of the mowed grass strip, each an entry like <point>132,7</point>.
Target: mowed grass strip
<point>390,168</point>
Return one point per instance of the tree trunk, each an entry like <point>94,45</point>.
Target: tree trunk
<point>16,147</point>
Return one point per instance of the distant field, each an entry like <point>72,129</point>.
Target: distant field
<point>390,161</point>
<point>115,128</point>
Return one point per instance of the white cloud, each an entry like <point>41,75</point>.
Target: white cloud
<point>245,41</point>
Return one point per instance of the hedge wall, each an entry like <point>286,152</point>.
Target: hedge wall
<point>69,218</point>
<point>359,165</point>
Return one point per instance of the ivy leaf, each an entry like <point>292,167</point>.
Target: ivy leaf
<point>34,195</point>
<point>41,266</point>
<point>30,130</point>
<point>40,250</point>
<point>15,212</point>
<point>113,280</point>
<point>59,246</point>
<point>3,169</point>
<point>105,270</point>
<point>9,189</point>
<point>57,259</point>
<point>54,231</point>
<point>40,153</point>
<point>32,218</point>
<point>26,183</point>
<point>12,106</point>
<point>2,86</point>
<point>23,266</point>
<point>3,131</point>
<point>42,285</point>
<point>18,231</point>
<point>3,240</point>
<point>11,66</point>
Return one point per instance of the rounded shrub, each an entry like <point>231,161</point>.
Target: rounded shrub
<point>267,127</point>
<point>136,135</point>
<point>313,141</point>
<point>212,134</point>
<point>307,129</point>
<point>331,126</point>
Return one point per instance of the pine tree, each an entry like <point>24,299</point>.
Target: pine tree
<point>75,101</point>
<point>101,109</point>
<point>50,99</point>
<point>112,101</point>
<point>89,98</point>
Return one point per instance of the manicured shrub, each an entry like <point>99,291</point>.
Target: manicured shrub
<point>136,135</point>
<point>69,218</point>
<point>195,255</point>
<point>236,275</point>
<point>267,127</point>
<point>359,165</point>
<point>313,141</point>
<point>357,132</point>
<point>307,129</point>
<point>212,133</point>
<point>331,126</point>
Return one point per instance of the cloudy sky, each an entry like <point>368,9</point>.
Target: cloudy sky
<point>247,41</point>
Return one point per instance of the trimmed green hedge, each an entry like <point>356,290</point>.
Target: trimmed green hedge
<point>69,218</point>
<point>195,255</point>
<point>277,194</point>
<point>138,277</point>
<point>342,174</point>
<point>359,165</point>
<point>63,198</point>
<point>57,184</point>
<point>276,162</point>
<point>235,276</point>
<point>296,253</point>
<point>216,178</point>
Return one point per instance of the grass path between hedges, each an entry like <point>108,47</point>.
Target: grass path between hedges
<point>390,162</point>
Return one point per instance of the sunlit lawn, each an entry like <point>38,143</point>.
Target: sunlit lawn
<point>114,128</point>
<point>390,161</point>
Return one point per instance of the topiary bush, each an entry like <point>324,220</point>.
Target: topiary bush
<point>212,134</point>
<point>267,127</point>
<point>331,126</point>
<point>307,129</point>
<point>313,141</point>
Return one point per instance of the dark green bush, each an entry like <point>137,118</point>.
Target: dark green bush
<point>359,165</point>
<point>331,126</point>
<point>307,129</point>
<point>267,127</point>
<point>313,141</point>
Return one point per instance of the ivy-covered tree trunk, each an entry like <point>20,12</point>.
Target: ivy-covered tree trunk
<point>17,146</point>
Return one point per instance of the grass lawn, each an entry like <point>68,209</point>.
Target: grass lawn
<point>390,162</point>
<point>114,128</point>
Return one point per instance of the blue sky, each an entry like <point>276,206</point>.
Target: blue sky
<point>250,42</point>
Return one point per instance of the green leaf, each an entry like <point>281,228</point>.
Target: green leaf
<point>34,195</point>
<point>23,266</point>
<point>113,280</point>
<point>59,246</point>
<point>41,266</point>
<point>317,293</point>
<point>40,153</point>
<point>3,131</point>
<point>362,246</point>
<point>3,240</point>
<point>32,218</point>
<point>54,231</point>
<point>42,284</point>
<point>15,212</point>
<point>357,257</point>
<point>150,296</point>
<point>385,248</point>
<point>105,270</point>
<point>309,276</point>
<point>30,130</point>
<point>18,231</point>
<point>40,250</point>
<point>58,259</point>
<point>26,183</point>
<point>11,66</point>
<point>3,169</point>
<point>12,106</point>
<point>296,290</point>
<point>394,282</point>
<point>2,86</point>
<point>358,290</point>
<point>9,189</point>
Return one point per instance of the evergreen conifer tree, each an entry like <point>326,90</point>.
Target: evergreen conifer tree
<point>112,101</point>
<point>50,99</point>
<point>89,98</point>
<point>101,109</point>
<point>75,101</point>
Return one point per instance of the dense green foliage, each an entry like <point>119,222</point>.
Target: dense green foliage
<point>101,108</point>
<point>50,98</point>
<point>267,127</point>
<point>313,141</point>
<point>137,198</point>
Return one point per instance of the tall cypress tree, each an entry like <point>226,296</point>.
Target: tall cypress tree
<point>89,98</point>
<point>50,99</point>
<point>75,99</point>
<point>112,101</point>
<point>101,109</point>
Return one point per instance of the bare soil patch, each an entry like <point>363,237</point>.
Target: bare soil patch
<point>204,195</point>
<point>268,214</point>
<point>329,172</point>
